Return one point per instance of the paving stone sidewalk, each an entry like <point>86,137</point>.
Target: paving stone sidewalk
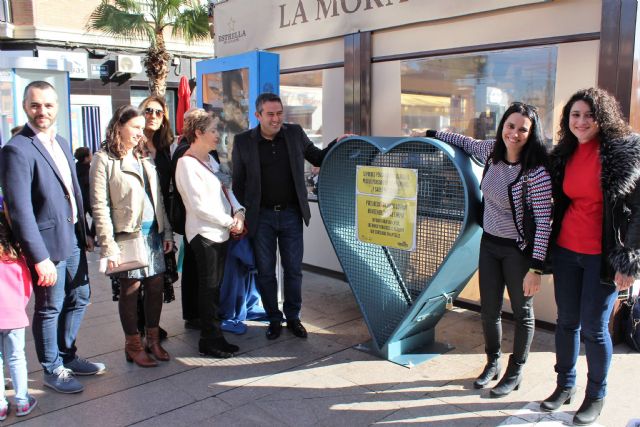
<point>320,381</point>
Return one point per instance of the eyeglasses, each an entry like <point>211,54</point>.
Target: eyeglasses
<point>152,111</point>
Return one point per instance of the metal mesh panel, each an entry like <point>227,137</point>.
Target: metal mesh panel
<point>387,281</point>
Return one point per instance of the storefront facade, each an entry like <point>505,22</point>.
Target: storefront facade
<point>386,67</point>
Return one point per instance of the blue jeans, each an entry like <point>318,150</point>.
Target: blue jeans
<point>59,310</point>
<point>584,304</point>
<point>12,350</point>
<point>283,230</point>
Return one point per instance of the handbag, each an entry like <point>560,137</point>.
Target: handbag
<point>631,324</point>
<point>529,226</point>
<point>177,213</point>
<point>133,253</point>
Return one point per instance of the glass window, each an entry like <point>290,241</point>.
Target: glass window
<point>301,94</point>
<point>7,120</point>
<point>469,93</point>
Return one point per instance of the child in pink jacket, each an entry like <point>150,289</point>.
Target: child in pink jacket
<point>15,290</point>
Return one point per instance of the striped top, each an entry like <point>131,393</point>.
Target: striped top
<point>502,190</point>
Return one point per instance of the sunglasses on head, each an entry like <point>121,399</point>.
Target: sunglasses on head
<point>152,111</point>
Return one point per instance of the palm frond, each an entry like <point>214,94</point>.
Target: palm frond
<point>192,24</point>
<point>122,20</point>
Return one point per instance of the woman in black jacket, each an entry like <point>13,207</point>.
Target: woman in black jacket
<point>595,170</point>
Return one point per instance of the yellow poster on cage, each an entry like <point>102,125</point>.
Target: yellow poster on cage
<point>386,206</point>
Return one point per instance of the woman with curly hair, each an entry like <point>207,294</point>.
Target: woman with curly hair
<point>127,201</point>
<point>595,170</point>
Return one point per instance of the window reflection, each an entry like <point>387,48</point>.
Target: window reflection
<point>301,94</point>
<point>469,93</point>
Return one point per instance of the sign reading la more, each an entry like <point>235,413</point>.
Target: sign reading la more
<point>386,206</point>
<point>244,25</point>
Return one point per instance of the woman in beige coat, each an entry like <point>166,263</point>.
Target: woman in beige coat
<point>126,200</point>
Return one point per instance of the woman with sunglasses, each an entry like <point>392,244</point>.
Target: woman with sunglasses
<point>158,134</point>
<point>518,154</point>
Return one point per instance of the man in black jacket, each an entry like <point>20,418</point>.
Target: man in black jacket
<point>268,180</point>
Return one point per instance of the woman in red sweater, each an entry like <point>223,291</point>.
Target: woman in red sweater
<point>595,169</point>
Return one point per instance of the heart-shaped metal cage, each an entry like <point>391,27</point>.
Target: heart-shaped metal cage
<point>402,294</point>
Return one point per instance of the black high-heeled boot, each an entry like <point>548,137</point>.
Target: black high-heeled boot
<point>511,379</point>
<point>589,412</point>
<point>560,396</point>
<point>491,372</point>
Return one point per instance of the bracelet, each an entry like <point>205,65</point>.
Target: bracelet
<point>535,271</point>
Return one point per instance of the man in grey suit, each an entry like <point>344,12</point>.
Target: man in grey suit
<point>44,201</point>
<point>268,179</point>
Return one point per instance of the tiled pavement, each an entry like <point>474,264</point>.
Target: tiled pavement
<point>321,381</point>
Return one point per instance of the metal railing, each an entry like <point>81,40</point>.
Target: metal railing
<point>5,11</point>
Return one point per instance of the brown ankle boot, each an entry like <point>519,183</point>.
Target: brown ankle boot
<point>153,345</point>
<point>134,352</point>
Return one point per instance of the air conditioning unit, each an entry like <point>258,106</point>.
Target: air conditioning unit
<point>130,64</point>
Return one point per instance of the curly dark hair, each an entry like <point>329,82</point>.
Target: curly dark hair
<point>9,249</point>
<point>606,112</point>
<point>163,137</point>
<point>534,153</point>
<point>112,142</point>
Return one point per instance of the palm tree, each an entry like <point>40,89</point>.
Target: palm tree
<point>126,19</point>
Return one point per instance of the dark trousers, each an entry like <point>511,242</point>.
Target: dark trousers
<point>210,257</point>
<point>283,230</point>
<point>189,283</point>
<point>584,304</point>
<point>503,264</point>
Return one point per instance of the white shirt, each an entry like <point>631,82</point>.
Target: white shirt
<point>208,210</point>
<point>60,159</point>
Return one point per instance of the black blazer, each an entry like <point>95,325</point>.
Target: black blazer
<point>38,200</point>
<point>246,169</point>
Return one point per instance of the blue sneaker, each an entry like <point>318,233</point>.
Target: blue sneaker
<point>62,381</point>
<point>25,409</point>
<point>82,367</point>
<point>233,326</point>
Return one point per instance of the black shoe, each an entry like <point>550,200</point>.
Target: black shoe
<point>295,326</point>
<point>192,324</point>
<point>214,348</point>
<point>491,372</point>
<point>511,379</point>
<point>589,412</point>
<point>274,330</point>
<point>162,334</point>
<point>560,396</point>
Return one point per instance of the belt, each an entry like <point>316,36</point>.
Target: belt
<point>276,208</point>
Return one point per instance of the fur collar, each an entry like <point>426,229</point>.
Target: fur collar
<point>620,159</point>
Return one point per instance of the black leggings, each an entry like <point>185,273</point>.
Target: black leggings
<point>503,264</point>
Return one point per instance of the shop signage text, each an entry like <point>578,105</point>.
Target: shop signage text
<point>327,9</point>
<point>245,25</point>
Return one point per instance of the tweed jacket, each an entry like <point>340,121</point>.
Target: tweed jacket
<point>117,199</point>
<point>620,176</point>
<point>538,195</point>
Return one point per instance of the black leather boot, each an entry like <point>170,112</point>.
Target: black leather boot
<point>491,372</point>
<point>560,396</point>
<point>511,379</point>
<point>589,412</point>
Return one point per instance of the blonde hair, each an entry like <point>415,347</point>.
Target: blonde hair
<point>197,119</point>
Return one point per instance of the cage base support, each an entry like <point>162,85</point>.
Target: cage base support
<point>410,351</point>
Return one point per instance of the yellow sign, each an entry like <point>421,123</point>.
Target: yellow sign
<point>386,206</point>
